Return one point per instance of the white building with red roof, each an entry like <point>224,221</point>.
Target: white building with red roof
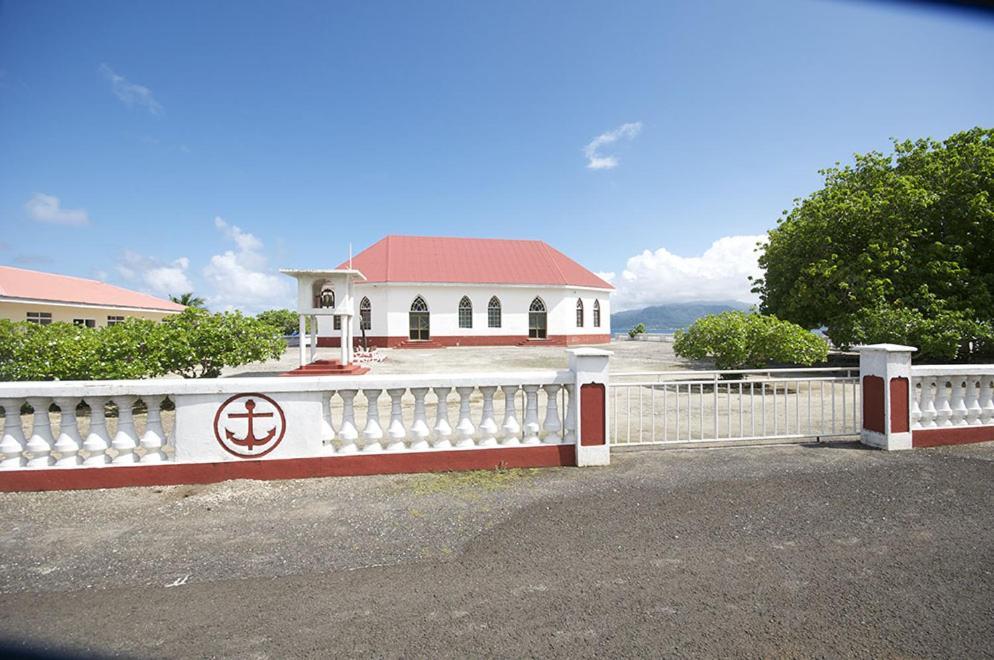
<point>428,291</point>
<point>37,297</point>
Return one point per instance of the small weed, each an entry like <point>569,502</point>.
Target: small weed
<point>468,482</point>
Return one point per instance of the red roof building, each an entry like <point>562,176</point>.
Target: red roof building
<point>422,291</point>
<point>471,260</point>
<point>29,295</point>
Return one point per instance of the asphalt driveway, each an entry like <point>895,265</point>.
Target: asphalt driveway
<point>785,551</point>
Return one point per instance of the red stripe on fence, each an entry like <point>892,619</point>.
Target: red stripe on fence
<point>174,474</point>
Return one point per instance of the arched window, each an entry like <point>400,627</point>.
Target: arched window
<point>365,314</point>
<point>419,305</point>
<point>493,313</point>
<point>597,313</point>
<point>537,320</point>
<point>465,313</point>
<point>579,313</point>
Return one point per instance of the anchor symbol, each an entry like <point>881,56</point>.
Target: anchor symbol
<point>249,441</point>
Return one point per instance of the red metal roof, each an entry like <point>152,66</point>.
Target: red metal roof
<point>35,285</point>
<point>472,261</point>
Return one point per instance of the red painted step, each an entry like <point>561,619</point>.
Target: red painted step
<point>327,368</point>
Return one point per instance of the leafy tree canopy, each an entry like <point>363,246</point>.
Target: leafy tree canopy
<point>287,321</point>
<point>740,340</point>
<point>896,247</point>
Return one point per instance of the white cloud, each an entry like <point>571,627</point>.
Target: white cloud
<point>131,94</point>
<point>48,208</point>
<point>596,161</point>
<point>721,273</point>
<point>162,279</point>
<point>241,278</point>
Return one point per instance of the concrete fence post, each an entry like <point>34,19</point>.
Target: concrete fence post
<point>885,378</point>
<point>590,380</point>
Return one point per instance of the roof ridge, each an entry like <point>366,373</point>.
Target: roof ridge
<point>555,261</point>
<point>387,259</point>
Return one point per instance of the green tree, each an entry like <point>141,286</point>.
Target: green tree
<point>198,344</point>
<point>896,247</point>
<point>637,329</point>
<point>287,321</point>
<point>189,300</point>
<point>740,340</point>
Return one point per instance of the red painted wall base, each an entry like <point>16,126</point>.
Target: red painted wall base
<point>476,340</point>
<point>953,436</point>
<point>174,474</point>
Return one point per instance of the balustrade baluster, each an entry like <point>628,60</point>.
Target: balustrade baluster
<point>68,443</point>
<point>552,425</point>
<point>943,412</point>
<point>419,429</point>
<point>12,442</point>
<point>125,440</point>
<point>347,433</point>
<point>327,428</point>
<point>488,426</point>
<point>154,438</point>
<point>916,399</point>
<point>465,426</point>
<point>97,439</point>
<point>972,401</point>
<point>442,430</point>
<point>570,425</point>
<point>372,433</point>
<point>986,400</point>
<point>957,406</point>
<point>39,445</point>
<point>531,427</point>
<point>510,428</point>
<point>396,431</point>
<point>928,403</point>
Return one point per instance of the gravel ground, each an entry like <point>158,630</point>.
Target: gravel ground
<point>628,356</point>
<point>775,551</point>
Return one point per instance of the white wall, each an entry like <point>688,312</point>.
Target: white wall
<point>391,304</point>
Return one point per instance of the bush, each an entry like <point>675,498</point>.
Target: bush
<point>288,322</point>
<point>737,340</point>
<point>639,329</point>
<point>194,344</point>
<point>198,344</point>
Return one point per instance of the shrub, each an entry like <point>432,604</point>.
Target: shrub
<point>198,344</point>
<point>193,344</point>
<point>639,329</point>
<point>739,340</point>
<point>288,322</point>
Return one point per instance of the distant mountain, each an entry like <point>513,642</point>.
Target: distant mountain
<point>671,316</point>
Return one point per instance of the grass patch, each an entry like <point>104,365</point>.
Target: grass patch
<point>474,481</point>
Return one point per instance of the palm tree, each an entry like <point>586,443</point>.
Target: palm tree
<point>189,300</point>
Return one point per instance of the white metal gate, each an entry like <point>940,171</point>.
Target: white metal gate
<point>681,407</point>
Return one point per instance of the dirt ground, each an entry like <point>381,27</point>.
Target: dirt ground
<point>790,551</point>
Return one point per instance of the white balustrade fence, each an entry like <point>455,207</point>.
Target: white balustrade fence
<point>167,421</point>
<point>678,407</point>
<point>952,396</point>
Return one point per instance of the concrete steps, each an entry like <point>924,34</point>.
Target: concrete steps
<point>327,368</point>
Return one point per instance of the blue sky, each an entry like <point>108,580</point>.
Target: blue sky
<point>160,145</point>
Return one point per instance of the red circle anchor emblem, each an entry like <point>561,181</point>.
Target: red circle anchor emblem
<point>249,425</point>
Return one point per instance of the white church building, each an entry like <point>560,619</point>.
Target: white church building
<point>417,291</point>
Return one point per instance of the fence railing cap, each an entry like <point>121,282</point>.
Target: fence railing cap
<point>589,352</point>
<point>887,348</point>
